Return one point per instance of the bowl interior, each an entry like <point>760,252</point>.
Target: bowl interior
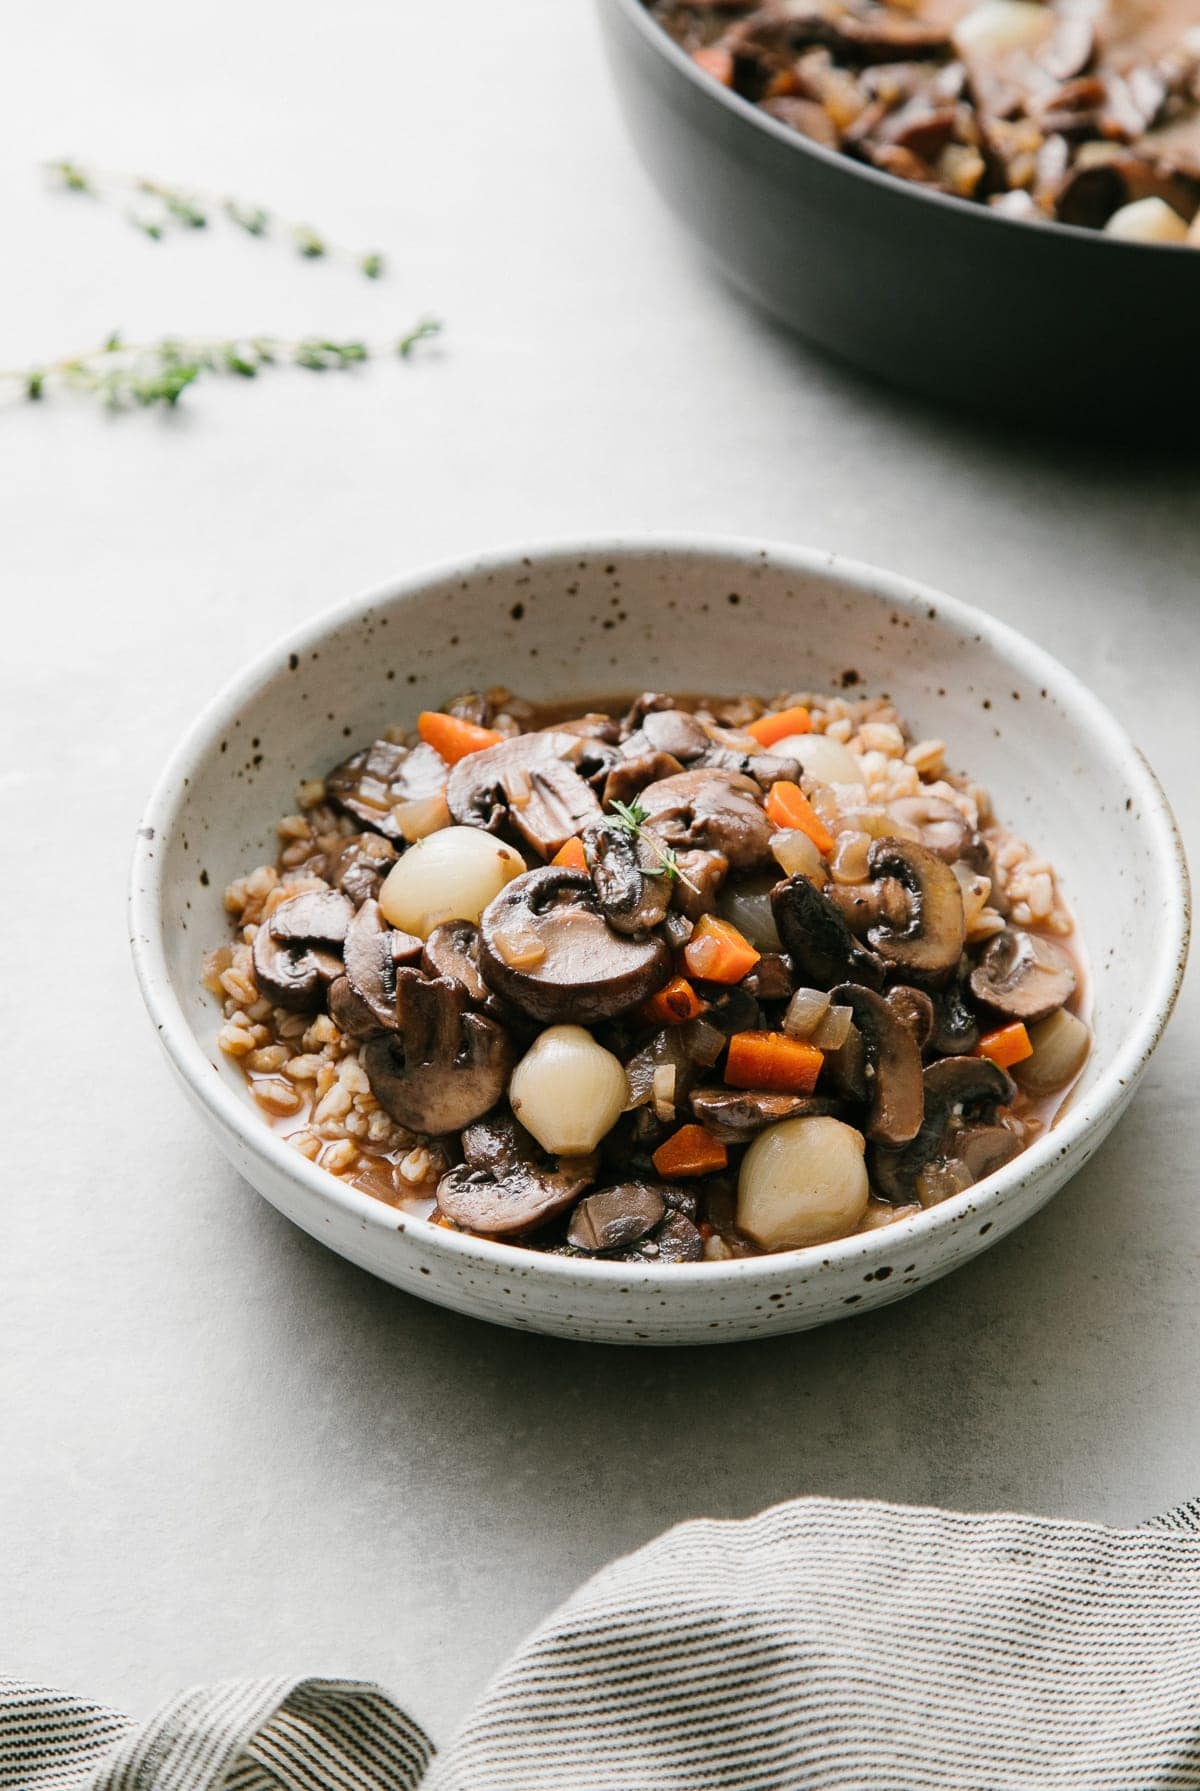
<point>721,618</point>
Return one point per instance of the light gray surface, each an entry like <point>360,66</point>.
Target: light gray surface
<point>222,1450</point>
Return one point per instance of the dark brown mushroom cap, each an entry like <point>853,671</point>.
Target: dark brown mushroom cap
<point>930,944</point>
<point>984,1149</point>
<point>452,951</point>
<point>956,1088</point>
<point>720,811</point>
<point>671,731</point>
<point>771,978</point>
<point>506,1184</point>
<point>363,1001</point>
<point>895,1090</point>
<point>297,951</point>
<point>955,1023</point>
<point>626,778</point>
<point>588,972</point>
<point>529,781</point>
<point>359,867</point>
<point>914,1009</point>
<point>676,1239</point>
<point>735,1115</point>
<point>369,784</point>
<point>630,887</point>
<point>1024,976</point>
<point>443,1067</point>
<point>614,1217</point>
<point>817,940</point>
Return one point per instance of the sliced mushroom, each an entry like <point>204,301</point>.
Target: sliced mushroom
<point>297,952</point>
<point>771,978</point>
<point>914,1009</point>
<point>627,777</point>
<point>614,1217</point>
<point>930,944</point>
<point>817,940</point>
<point>630,885</point>
<point>955,1024</point>
<point>506,1185</point>
<point>895,1092</point>
<point>452,951</point>
<point>954,1088</point>
<point>676,1239</point>
<point>736,1115</point>
<point>360,865</point>
<point>864,905</point>
<point>651,702</point>
<point>673,731</point>
<point>1023,975</point>
<point>444,1067</point>
<point>720,811</point>
<point>984,1149</point>
<point>363,1001</point>
<point>695,891</point>
<point>371,783</point>
<point>944,829</point>
<point>529,781</point>
<point>581,970</point>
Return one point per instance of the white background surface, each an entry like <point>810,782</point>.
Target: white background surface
<point>222,1450</point>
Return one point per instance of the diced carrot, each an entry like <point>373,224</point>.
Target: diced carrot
<point>452,737</point>
<point>772,1060</point>
<point>717,62</point>
<point>675,1002</point>
<point>788,806</point>
<point>572,855</point>
<point>1007,1045</point>
<point>778,724</point>
<point>718,953</point>
<point>690,1151</point>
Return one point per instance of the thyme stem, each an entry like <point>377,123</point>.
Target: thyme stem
<point>155,208</point>
<point>125,375</point>
<point>631,817</point>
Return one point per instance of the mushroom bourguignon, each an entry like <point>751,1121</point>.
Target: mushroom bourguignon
<point>1082,111</point>
<point>673,981</point>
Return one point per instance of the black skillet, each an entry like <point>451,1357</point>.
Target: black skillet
<point>1060,326</point>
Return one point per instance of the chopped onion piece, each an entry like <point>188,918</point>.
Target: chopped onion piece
<point>664,1091</point>
<point>794,853</point>
<point>833,1030</point>
<point>806,1010</point>
<point>1061,1044</point>
<point>428,814</point>
<point>519,946</point>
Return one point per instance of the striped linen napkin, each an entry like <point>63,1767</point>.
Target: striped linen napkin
<point>824,1646</point>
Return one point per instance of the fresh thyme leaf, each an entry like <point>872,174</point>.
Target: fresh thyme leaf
<point>631,817</point>
<point>158,208</point>
<point>126,375</point>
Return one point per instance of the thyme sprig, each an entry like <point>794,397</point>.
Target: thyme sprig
<point>128,375</point>
<point>631,818</point>
<point>157,209</point>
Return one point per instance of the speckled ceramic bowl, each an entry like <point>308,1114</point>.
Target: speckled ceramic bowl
<point>569,622</point>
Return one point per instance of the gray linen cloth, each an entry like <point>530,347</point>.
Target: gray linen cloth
<point>824,1646</point>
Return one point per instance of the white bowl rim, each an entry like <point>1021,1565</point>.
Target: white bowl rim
<point>235,1112</point>
<point>741,108</point>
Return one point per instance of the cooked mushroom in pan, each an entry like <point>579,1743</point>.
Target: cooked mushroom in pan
<point>668,981</point>
<point>1082,111</point>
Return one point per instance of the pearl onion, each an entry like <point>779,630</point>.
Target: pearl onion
<point>1147,221</point>
<point>803,1181</point>
<point>568,1091</point>
<point>451,875</point>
